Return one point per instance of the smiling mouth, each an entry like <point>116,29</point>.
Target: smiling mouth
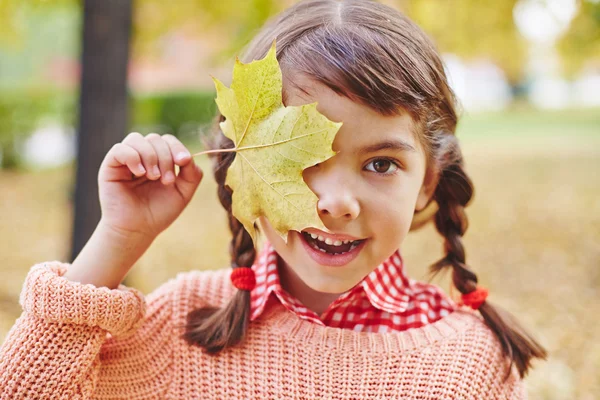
<point>330,246</point>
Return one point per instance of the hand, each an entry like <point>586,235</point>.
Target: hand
<point>140,195</point>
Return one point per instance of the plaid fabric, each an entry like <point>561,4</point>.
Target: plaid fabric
<point>385,300</point>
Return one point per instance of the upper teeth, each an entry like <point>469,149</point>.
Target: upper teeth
<point>330,241</point>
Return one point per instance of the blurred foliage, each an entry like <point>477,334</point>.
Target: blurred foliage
<point>14,18</point>
<point>473,29</point>
<point>180,113</point>
<point>22,111</point>
<point>236,21</point>
<point>44,49</point>
<point>10,22</point>
<point>468,28</point>
<point>582,42</point>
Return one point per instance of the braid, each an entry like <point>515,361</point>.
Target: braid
<point>451,222</point>
<point>453,193</point>
<point>215,328</point>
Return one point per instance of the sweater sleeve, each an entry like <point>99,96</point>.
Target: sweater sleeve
<point>79,341</point>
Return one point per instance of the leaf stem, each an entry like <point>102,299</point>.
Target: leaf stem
<point>216,151</point>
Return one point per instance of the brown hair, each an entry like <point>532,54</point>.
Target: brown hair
<point>374,55</point>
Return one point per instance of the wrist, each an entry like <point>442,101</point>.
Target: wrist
<point>119,237</point>
<point>108,256</point>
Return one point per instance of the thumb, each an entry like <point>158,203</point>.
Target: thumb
<point>188,179</point>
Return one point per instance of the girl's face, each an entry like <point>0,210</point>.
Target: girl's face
<point>368,191</point>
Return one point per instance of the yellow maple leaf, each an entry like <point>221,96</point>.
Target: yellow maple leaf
<point>273,145</point>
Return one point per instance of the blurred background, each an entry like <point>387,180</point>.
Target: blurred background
<point>527,73</point>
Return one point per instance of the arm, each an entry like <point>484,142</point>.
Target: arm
<point>108,256</point>
<point>74,339</point>
<point>79,325</point>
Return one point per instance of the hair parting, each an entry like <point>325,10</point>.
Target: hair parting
<point>374,55</point>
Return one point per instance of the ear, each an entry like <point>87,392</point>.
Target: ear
<point>430,182</point>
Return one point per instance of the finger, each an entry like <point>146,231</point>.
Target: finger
<point>122,155</point>
<point>165,159</point>
<point>180,153</point>
<point>147,153</point>
<point>188,179</point>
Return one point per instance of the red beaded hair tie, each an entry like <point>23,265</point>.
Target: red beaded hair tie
<point>243,278</point>
<point>475,298</point>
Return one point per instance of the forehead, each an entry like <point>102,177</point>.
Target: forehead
<point>361,125</point>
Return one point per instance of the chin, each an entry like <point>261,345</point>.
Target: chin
<point>323,286</point>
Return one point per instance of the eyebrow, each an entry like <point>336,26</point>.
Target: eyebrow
<point>393,144</point>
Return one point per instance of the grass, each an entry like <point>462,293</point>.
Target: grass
<point>524,122</point>
<point>534,235</point>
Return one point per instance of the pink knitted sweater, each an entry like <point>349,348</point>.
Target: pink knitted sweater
<point>77,341</point>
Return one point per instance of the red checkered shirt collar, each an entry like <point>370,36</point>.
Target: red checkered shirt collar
<point>389,293</point>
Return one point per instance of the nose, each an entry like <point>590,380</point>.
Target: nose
<point>340,206</point>
<point>334,188</point>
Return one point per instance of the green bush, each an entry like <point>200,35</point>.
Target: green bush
<point>21,112</point>
<point>182,114</point>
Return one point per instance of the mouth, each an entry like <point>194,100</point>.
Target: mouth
<point>331,252</point>
<point>327,245</point>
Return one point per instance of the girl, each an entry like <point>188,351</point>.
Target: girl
<point>323,315</point>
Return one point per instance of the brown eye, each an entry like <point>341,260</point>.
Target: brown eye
<point>382,166</point>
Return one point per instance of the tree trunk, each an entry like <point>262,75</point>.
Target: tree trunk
<point>102,104</point>
<point>10,158</point>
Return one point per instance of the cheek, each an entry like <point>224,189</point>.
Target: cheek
<point>267,228</point>
<point>273,237</point>
<point>393,204</point>
<point>392,213</point>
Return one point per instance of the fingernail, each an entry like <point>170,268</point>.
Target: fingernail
<point>141,168</point>
<point>169,176</point>
<point>156,171</point>
<point>182,155</point>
